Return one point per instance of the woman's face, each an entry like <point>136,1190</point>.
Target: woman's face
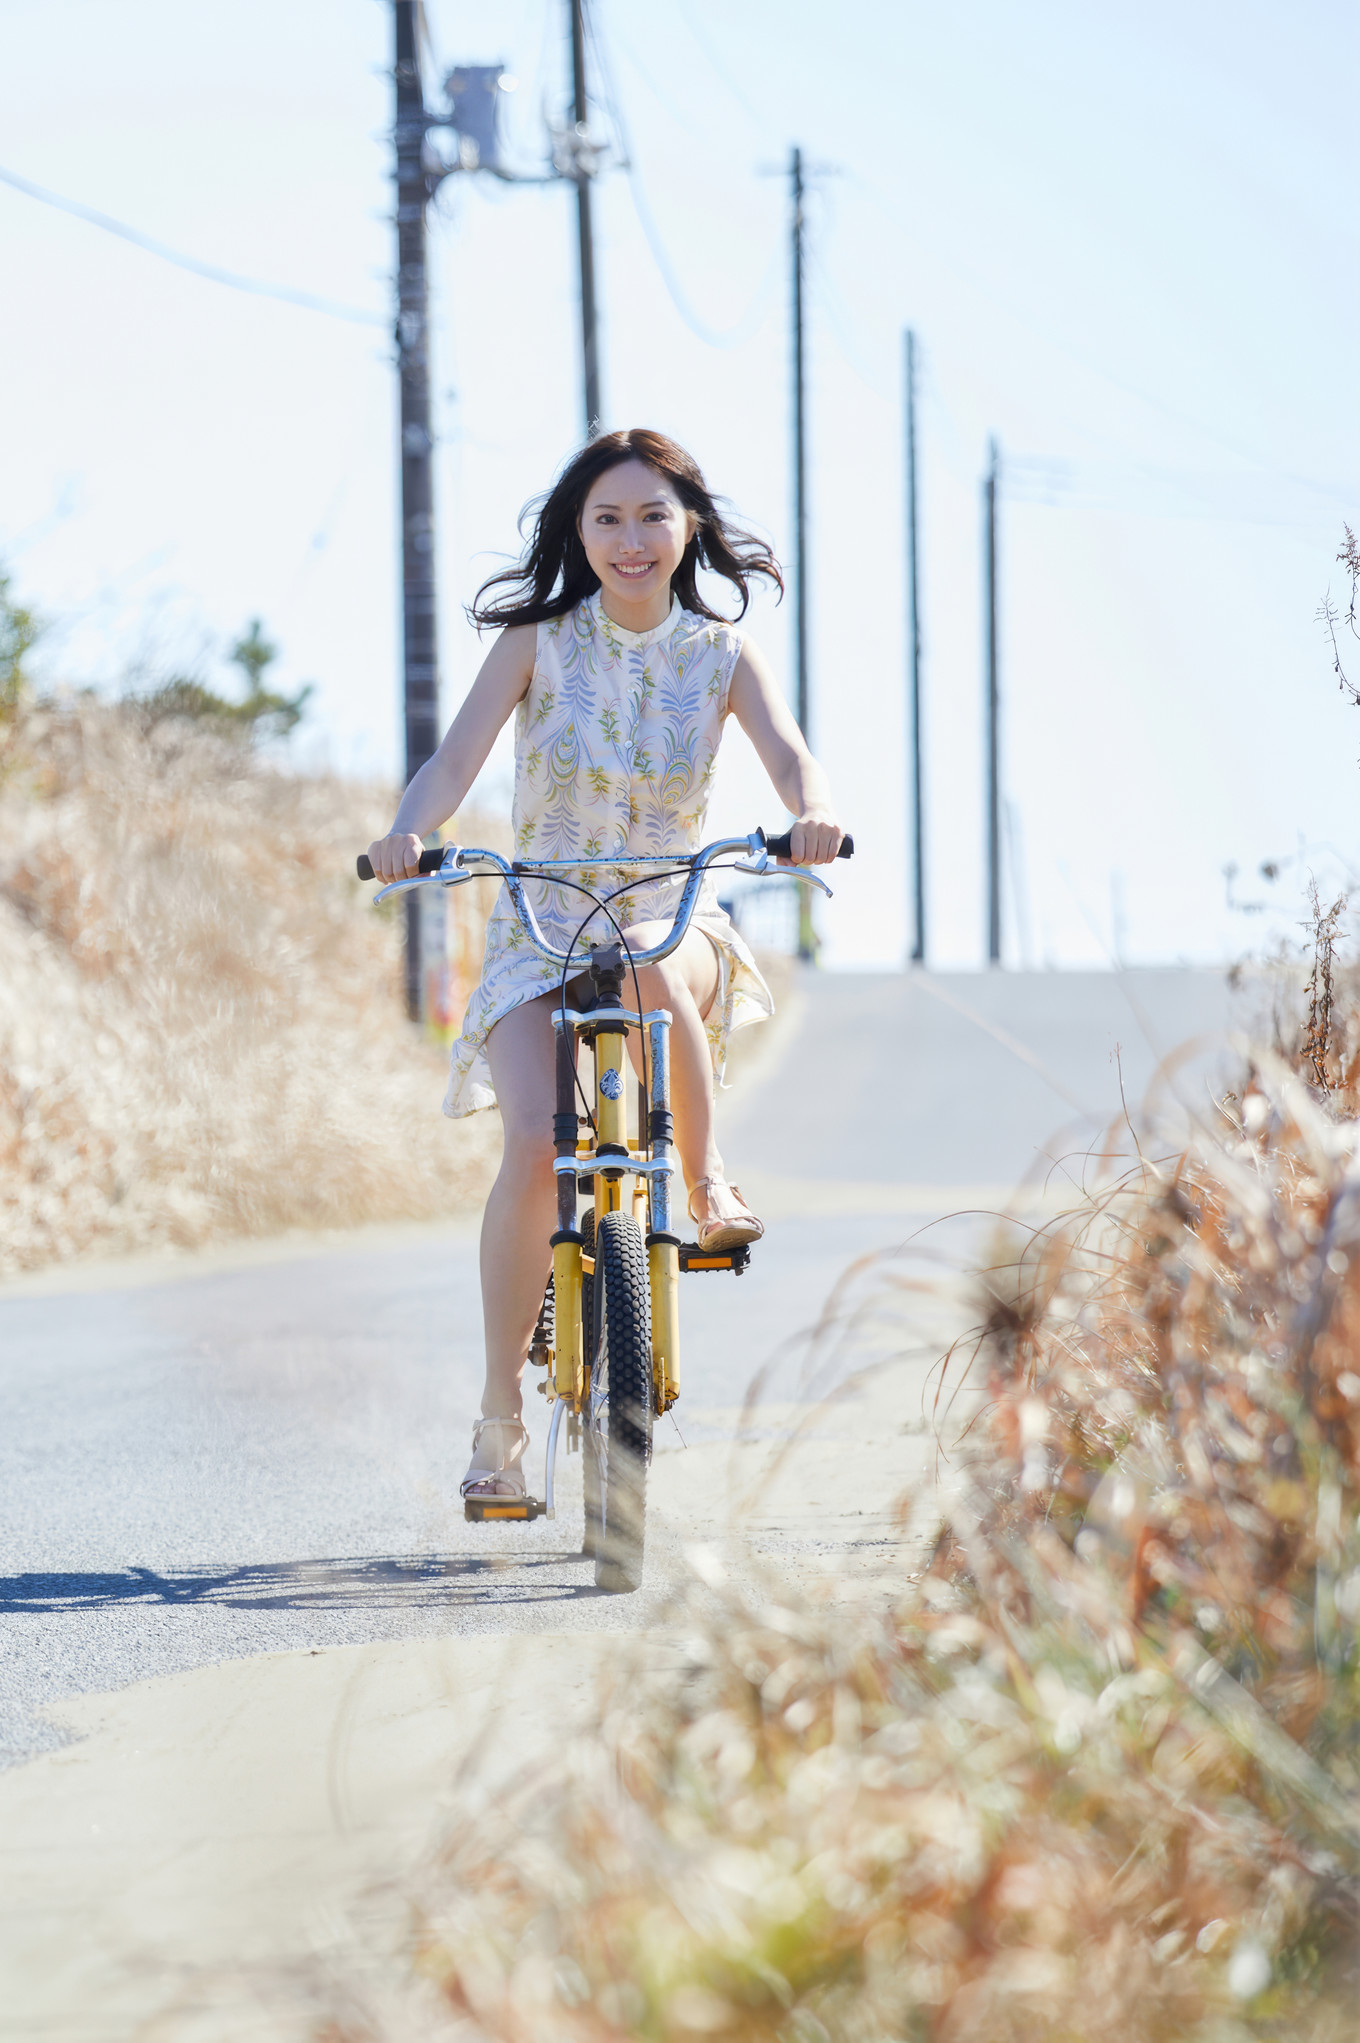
<point>634,529</point>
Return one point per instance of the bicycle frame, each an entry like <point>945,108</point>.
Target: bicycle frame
<point>646,1159</point>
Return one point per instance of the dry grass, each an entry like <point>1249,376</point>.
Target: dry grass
<point>201,1032</point>
<point>1095,1774</point>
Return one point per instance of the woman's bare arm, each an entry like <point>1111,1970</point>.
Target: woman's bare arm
<point>758,706</point>
<point>442,783</point>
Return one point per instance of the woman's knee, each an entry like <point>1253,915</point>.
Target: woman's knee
<point>653,986</point>
<point>528,1154</point>
<point>665,985</point>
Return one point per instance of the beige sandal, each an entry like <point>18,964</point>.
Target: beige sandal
<point>494,1470</point>
<point>735,1231</point>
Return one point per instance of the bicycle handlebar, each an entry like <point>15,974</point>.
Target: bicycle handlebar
<point>458,863</point>
<point>430,861</point>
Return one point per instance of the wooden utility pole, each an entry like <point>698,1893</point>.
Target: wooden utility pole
<point>807,939</point>
<point>993,711</point>
<point>472,95</point>
<point>420,650</point>
<point>918,860</point>
<point>583,173</point>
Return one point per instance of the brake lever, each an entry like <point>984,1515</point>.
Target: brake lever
<point>445,877</point>
<point>800,872</point>
<point>793,872</point>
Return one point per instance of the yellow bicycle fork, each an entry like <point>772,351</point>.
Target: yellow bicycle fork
<point>645,1159</point>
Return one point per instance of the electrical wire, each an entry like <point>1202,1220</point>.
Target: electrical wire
<point>688,14</point>
<point>306,301</point>
<point>748,324</point>
<point>1047,335</point>
<point>1141,489</point>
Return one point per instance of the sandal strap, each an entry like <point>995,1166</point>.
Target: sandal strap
<point>493,1482</point>
<point>702,1185</point>
<point>506,1477</point>
<point>482,1424</point>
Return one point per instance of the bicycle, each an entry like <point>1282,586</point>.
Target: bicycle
<point>611,1346</point>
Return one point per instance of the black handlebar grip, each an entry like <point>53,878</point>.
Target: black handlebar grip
<point>430,862</point>
<point>781,847</point>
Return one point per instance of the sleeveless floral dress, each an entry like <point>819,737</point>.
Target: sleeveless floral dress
<point>615,745</point>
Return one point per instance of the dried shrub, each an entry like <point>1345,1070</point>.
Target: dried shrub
<point>201,1027</point>
<point>1337,622</point>
<point>1095,1774</point>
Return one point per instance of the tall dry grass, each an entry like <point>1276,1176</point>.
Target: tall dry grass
<point>201,1027</point>
<point>1095,1773</point>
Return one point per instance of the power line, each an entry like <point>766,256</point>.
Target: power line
<point>687,14</point>
<point>307,301</point>
<point>735,336</point>
<point>747,325</point>
<point>1049,337</point>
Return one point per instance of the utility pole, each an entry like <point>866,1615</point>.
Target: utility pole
<point>993,712</point>
<point>420,651</point>
<point>918,865</point>
<point>799,453</point>
<point>472,113</point>
<point>807,939</point>
<point>582,173</point>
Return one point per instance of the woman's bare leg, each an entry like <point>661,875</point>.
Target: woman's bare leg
<point>687,984</point>
<point>521,1212</point>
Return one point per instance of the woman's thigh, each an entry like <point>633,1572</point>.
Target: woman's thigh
<point>522,1054</point>
<point>694,963</point>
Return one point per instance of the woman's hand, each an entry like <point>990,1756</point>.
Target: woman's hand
<point>397,856</point>
<point>816,839</point>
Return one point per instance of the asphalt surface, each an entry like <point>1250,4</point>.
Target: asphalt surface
<point>227,1461</point>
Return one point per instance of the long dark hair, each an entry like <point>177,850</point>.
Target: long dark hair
<point>553,575</point>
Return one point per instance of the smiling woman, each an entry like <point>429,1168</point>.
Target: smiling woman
<point>619,678</point>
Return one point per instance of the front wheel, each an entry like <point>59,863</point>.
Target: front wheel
<point>618,1439</point>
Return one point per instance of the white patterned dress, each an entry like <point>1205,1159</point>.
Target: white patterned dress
<point>615,745</point>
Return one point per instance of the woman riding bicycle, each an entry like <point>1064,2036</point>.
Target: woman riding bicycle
<point>619,677</point>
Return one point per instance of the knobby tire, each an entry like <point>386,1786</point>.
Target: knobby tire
<point>590,1462</point>
<point>620,1431</point>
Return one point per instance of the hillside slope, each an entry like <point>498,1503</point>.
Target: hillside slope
<point>201,1030</point>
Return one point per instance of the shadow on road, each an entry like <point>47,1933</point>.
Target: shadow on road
<point>384,1581</point>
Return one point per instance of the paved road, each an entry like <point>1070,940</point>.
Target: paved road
<point>219,1462</point>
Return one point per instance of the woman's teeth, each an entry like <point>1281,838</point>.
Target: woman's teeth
<point>634,573</point>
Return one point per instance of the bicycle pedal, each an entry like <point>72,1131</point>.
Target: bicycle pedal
<point>692,1257</point>
<point>480,1510</point>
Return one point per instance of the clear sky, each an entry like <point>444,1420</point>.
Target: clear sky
<point>1125,237</point>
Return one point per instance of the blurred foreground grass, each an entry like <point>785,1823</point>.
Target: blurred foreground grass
<point>201,1026</point>
<point>1092,1772</point>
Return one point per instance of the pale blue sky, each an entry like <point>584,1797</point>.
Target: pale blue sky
<point>1126,239</point>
